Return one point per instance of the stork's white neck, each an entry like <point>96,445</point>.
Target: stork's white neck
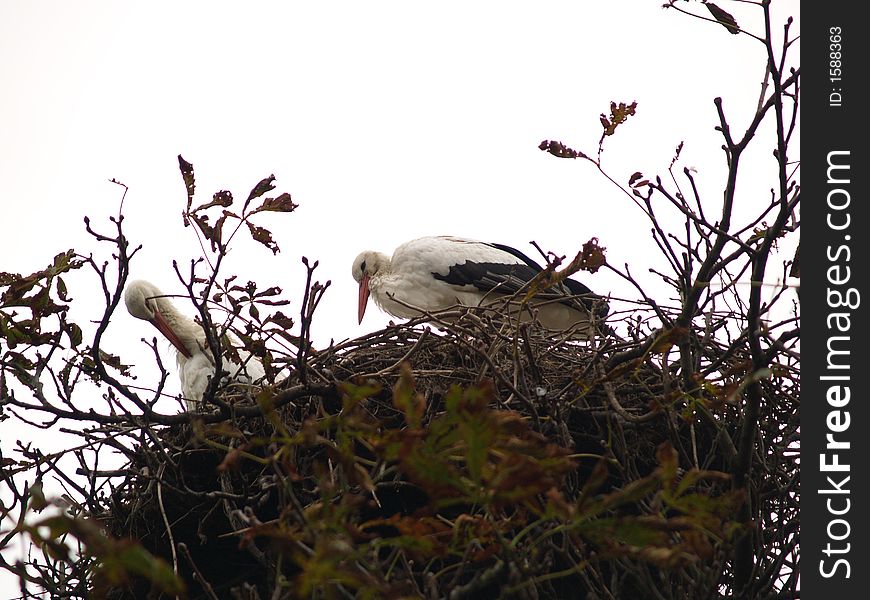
<point>188,331</point>
<point>145,301</point>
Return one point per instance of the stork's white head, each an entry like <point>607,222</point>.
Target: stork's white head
<point>144,301</point>
<point>141,299</point>
<point>366,266</point>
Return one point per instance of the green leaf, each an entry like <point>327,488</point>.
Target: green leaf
<point>354,394</point>
<point>38,503</point>
<point>64,261</point>
<point>479,437</point>
<point>406,399</point>
<point>75,334</point>
<point>594,481</point>
<point>629,531</point>
<point>61,290</point>
<point>117,561</point>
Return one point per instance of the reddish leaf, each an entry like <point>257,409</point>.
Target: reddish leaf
<point>212,234</point>
<point>667,339</point>
<point>668,462</point>
<point>591,258</point>
<point>677,153</point>
<point>637,180</point>
<point>560,150</point>
<point>222,198</point>
<point>231,461</point>
<point>271,291</point>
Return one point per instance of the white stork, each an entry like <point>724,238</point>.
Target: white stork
<point>435,273</point>
<point>195,360</point>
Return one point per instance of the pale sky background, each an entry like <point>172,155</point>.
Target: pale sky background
<point>386,121</point>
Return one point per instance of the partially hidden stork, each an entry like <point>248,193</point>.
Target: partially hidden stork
<point>195,360</point>
<point>435,273</point>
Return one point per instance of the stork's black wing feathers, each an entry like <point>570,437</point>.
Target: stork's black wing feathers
<point>508,279</point>
<point>520,255</point>
<point>574,287</point>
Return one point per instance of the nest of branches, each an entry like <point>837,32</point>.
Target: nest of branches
<point>464,459</point>
<point>456,456</point>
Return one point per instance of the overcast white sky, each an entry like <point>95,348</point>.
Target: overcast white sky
<point>386,121</point>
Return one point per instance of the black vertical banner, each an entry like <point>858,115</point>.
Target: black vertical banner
<point>835,267</point>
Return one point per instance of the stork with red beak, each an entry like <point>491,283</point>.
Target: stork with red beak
<point>435,273</point>
<point>196,364</point>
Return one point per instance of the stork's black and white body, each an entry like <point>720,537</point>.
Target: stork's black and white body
<point>435,273</point>
<point>195,361</point>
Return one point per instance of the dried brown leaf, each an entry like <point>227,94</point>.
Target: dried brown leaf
<point>189,181</point>
<point>560,150</point>
<point>264,236</point>
<point>282,203</point>
<point>723,17</point>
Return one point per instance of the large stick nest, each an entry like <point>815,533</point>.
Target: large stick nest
<point>320,497</point>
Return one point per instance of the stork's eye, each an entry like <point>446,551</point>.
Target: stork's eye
<point>363,266</point>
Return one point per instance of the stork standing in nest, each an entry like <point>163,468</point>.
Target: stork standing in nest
<point>196,365</point>
<point>435,273</point>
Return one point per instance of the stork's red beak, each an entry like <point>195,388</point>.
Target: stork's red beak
<point>163,327</point>
<point>363,296</point>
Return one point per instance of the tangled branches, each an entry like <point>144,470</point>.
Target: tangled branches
<point>492,466</point>
<point>452,463</point>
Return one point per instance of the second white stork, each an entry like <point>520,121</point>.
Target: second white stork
<point>435,273</point>
<point>195,361</point>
